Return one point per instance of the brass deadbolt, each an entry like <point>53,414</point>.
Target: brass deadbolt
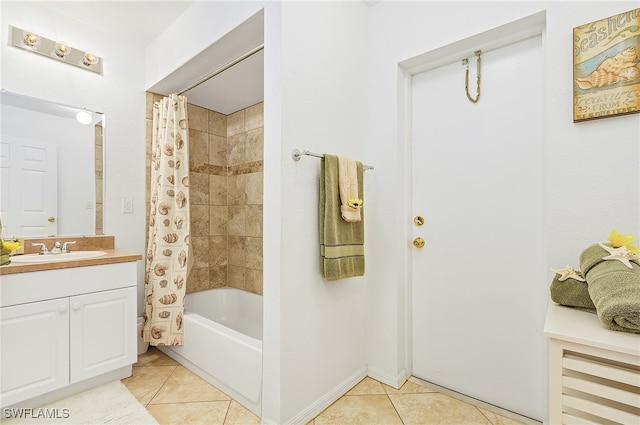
<point>51,219</point>
<point>418,220</point>
<point>418,242</point>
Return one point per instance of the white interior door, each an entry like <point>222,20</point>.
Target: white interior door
<point>478,285</point>
<point>29,184</point>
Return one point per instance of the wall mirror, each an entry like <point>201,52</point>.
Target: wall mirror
<point>51,168</point>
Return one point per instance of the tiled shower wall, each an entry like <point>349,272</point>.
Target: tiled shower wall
<point>226,175</point>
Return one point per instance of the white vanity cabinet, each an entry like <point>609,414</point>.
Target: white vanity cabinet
<point>60,329</point>
<point>35,349</point>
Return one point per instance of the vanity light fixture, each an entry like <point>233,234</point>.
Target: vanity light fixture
<point>58,50</point>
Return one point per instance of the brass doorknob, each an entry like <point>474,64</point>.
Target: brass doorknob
<point>51,219</point>
<point>418,242</point>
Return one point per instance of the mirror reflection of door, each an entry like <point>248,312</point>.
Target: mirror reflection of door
<point>28,182</point>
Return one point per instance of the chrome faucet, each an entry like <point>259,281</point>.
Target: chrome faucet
<point>57,248</point>
<point>65,247</point>
<point>43,248</point>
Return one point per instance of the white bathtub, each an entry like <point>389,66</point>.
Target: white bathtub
<point>223,342</point>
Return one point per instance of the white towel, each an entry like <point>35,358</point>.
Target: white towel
<point>348,186</point>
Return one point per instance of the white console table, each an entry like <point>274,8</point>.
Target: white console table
<point>594,373</point>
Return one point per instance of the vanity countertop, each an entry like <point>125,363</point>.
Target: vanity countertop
<point>112,256</point>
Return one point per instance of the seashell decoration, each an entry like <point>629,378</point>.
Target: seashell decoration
<point>181,199</point>
<point>167,252</point>
<point>167,150</point>
<point>168,299</point>
<point>179,321</point>
<point>183,124</point>
<point>178,162</point>
<point>157,331</point>
<point>185,181</point>
<point>171,178</point>
<point>164,314</point>
<point>178,221</point>
<point>163,283</point>
<point>616,69</point>
<point>170,192</point>
<point>170,237</point>
<point>171,163</point>
<point>159,269</point>
<point>164,208</point>
<point>179,142</point>
<point>182,258</point>
<point>178,281</point>
<point>166,222</point>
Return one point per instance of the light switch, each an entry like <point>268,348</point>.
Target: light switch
<point>127,205</point>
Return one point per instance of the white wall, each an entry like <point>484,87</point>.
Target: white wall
<point>324,101</point>
<point>592,175</point>
<point>75,147</point>
<point>119,93</point>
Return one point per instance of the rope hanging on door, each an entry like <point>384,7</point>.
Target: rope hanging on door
<point>466,77</point>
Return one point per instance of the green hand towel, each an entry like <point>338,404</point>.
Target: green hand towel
<point>572,293</point>
<point>341,243</point>
<point>614,289</point>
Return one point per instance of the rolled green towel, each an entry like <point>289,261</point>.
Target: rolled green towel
<point>614,287</point>
<point>571,293</point>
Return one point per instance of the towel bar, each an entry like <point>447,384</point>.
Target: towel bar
<point>296,154</point>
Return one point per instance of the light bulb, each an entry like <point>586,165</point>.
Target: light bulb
<point>84,117</point>
<point>62,49</point>
<point>30,39</point>
<point>89,59</point>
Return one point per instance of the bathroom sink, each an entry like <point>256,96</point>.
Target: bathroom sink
<point>56,258</point>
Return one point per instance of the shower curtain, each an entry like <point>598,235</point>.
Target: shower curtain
<point>167,255</point>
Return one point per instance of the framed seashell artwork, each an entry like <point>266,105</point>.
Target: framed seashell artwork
<point>606,67</point>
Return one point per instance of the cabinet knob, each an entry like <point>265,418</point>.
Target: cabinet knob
<point>63,308</point>
<point>76,306</point>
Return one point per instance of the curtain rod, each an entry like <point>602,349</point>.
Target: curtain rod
<point>224,68</point>
<point>296,154</point>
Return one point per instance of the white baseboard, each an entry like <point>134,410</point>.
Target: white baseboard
<point>393,381</point>
<point>325,401</point>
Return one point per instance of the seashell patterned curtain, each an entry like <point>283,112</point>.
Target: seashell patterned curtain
<point>167,255</point>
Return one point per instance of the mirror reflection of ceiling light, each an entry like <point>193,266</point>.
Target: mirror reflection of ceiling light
<point>84,117</point>
<point>31,42</point>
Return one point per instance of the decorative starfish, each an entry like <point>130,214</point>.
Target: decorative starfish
<point>568,272</point>
<point>621,254</point>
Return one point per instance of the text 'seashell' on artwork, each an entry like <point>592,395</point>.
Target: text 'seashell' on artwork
<point>606,67</point>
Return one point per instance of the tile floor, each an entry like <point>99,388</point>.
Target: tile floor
<point>175,395</point>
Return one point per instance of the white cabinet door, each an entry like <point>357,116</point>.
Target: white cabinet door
<point>103,332</point>
<point>35,349</point>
